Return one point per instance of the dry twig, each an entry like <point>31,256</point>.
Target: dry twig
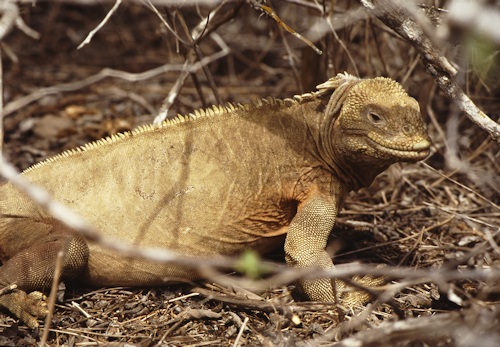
<point>240,333</point>
<point>10,18</point>
<point>10,13</point>
<point>460,327</point>
<point>1,101</point>
<point>205,27</point>
<point>270,12</point>
<point>107,72</point>
<point>52,297</point>
<point>103,22</point>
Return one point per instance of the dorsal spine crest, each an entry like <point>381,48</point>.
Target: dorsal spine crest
<point>215,110</point>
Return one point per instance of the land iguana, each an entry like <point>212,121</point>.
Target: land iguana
<point>217,181</point>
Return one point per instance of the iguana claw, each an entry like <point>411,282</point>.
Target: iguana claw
<point>27,307</point>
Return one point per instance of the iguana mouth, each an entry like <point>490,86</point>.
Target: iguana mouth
<point>416,151</point>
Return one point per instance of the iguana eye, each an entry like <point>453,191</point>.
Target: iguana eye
<point>375,118</point>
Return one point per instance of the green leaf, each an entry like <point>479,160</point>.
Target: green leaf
<point>251,265</point>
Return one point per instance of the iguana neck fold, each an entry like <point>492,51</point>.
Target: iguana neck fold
<point>326,137</point>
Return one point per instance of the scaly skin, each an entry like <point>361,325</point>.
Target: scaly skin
<point>217,182</point>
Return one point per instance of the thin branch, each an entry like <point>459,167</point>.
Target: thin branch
<point>342,44</point>
<point>186,69</point>
<point>175,90</point>
<point>459,326</point>
<point>104,21</point>
<point>240,333</point>
<point>106,73</point>
<point>169,28</point>
<point>205,27</point>
<point>270,12</point>
<point>8,289</point>
<point>1,102</point>
<point>21,25</point>
<point>463,186</point>
<point>199,55</point>
<point>52,297</point>
<point>310,5</point>
<point>291,61</point>
<point>10,13</point>
<point>337,21</point>
<point>11,17</point>
<point>156,2</point>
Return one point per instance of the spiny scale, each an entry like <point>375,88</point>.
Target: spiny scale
<point>200,113</point>
<point>329,85</point>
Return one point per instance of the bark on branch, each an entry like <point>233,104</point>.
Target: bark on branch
<point>9,13</point>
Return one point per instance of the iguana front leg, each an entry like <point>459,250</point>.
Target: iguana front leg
<point>306,242</point>
<point>34,268</point>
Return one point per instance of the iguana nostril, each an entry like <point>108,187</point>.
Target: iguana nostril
<point>406,129</point>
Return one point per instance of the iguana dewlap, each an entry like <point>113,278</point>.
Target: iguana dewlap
<point>218,181</point>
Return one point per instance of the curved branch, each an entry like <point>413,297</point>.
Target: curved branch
<point>10,13</point>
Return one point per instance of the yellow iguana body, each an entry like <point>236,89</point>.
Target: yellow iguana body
<point>219,181</point>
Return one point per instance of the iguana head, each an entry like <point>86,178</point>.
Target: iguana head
<point>380,124</point>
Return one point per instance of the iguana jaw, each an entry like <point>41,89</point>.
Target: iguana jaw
<point>406,151</point>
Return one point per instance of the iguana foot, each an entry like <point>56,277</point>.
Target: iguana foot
<point>351,297</point>
<point>27,307</point>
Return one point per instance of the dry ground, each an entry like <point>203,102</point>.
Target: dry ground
<point>440,215</point>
